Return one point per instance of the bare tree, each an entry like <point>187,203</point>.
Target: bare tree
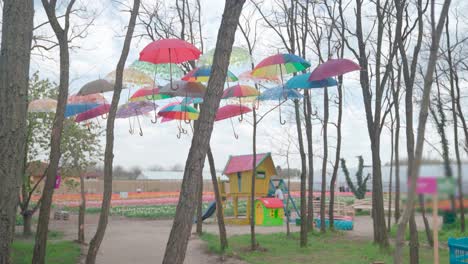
<point>109,150</point>
<point>414,166</point>
<point>180,232</point>
<point>17,27</point>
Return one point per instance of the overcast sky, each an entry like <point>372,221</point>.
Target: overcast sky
<point>97,54</point>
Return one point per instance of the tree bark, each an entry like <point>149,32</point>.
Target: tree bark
<point>422,119</point>
<point>396,104</point>
<point>27,224</point>
<point>253,241</point>
<point>303,235</point>
<point>57,128</point>
<point>109,151</point>
<point>181,228</point>
<point>331,213</point>
<point>389,216</point>
<point>323,227</point>
<point>17,27</point>
<point>200,207</point>
<point>219,203</point>
<point>310,157</point>
<point>82,212</point>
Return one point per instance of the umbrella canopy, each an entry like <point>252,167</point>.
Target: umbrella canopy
<point>74,109</point>
<point>190,100</point>
<point>134,109</point>
<point>45,105</point>
<point>229,111</point>
<point>148,93</point>
<point>96,86</point>
<point>179,112</point>
<point>169,51</point>
<point>333,67</point>
<point>95,112</point>
<point>202,74</point>
<point>278,94</point>
<point>87,99</point>
<point>132,77</point>
<point>183,88</point>
<point>247,76</point>
<point>280,64</point>
<point>302,82</point>
<point>239,57</point>
<point>240,91</point>
<point>163,71</point>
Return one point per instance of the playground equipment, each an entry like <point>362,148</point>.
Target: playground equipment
<point>269,212</point>
<point>458,250</point>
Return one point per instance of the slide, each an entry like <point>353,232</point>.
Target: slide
<point>210,211</point>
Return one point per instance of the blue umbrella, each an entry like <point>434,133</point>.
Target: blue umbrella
<point>302,82</point>
<point>74,109</point>
<point>278,93</point>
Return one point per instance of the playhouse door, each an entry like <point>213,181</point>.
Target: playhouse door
<point>259,214</point>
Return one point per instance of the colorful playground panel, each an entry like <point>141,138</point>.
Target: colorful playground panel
<point>269,212</point>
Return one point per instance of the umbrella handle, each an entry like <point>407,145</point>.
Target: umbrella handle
<point>105,116</point>
<point>178,134</point>
<point>187,121</point>
<point>233,130</point>
<point>176,88</point>
<point>155,119</point>
<point>141,132</point>
<point>282,122</point>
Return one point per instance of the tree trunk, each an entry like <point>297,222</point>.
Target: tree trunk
<point>455,100</point>
<point>27,224</point>
<point>219,203</point>
<point>310,157</point>
<point>427,228</point>
<point>415,166</point>
<point>397,149</point>
<point>200,207</point>
<point>109,152</point>
<point>323,227</point>
<point>389,216</point>
<point>82,211</point>
<point>181,228</point>
<point>253,241</point>
<point>414,241</point>
<point>331,213</point>
<point>57,128</point>
<point>303,236</point>
<point>17,27</point>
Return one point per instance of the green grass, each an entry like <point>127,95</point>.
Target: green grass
<point>329,248</point>
<point>58,252</point>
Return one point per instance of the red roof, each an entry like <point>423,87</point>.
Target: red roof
<point>243,163</point>
<point>271,202</point>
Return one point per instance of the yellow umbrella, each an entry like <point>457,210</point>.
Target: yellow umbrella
<point>45,105</point>
<point>133,77</point>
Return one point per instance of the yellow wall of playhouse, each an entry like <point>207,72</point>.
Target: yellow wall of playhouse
<point>261,184</point>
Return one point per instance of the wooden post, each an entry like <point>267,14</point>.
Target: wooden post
<point>435,230</point>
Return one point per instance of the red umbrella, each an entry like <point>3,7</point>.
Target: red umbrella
<point>169,51</point>
<point>333,67</point>
<point>95,112</point>
<point>229,111</point>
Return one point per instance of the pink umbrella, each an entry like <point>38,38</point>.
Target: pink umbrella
<point>229,111</point>
<point>333,67</point>
<point>95,112</point>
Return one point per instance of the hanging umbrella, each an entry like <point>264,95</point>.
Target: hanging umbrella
<point>333,67</point>
<point>247,76</point>
<point>302,82</point>
<point>45,105</point>
<point>135,109</point>
<point>147,94</point>
<point>132,77</point>
<point>179,112</point>
<point>190,100</point>
<point>229,111</point>
<point>280,64</point>
<point>87,99</point>
<point>162,71</point>
<point>278,93</point>
<point>74,109</point>
<point>131,109</point>
<point>96,86</point>
<point>95,112</point>
<point>202,74</point>
<point>239,57</point>
<point>183,88</point>
<point>240,91</point>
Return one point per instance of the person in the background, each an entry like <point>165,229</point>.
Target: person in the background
<point>279,193</point>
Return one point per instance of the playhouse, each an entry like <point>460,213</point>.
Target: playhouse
<point>269,212</point>
<point>239,171</point>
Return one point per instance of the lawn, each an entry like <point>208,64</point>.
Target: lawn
<point>58,252</point>
<point>328,248</point>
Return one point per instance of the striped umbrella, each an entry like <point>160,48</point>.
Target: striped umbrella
<point>240,91</point>
<point>95,112</point>
<point>147,94</point>
<point>202,74</point>
<point>280,64</point>
<point>179,112</point>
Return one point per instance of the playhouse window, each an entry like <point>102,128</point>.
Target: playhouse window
<point>239,182</point>
<point>261,175</point>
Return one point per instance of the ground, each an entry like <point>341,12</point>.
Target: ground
<point>130,240</point>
